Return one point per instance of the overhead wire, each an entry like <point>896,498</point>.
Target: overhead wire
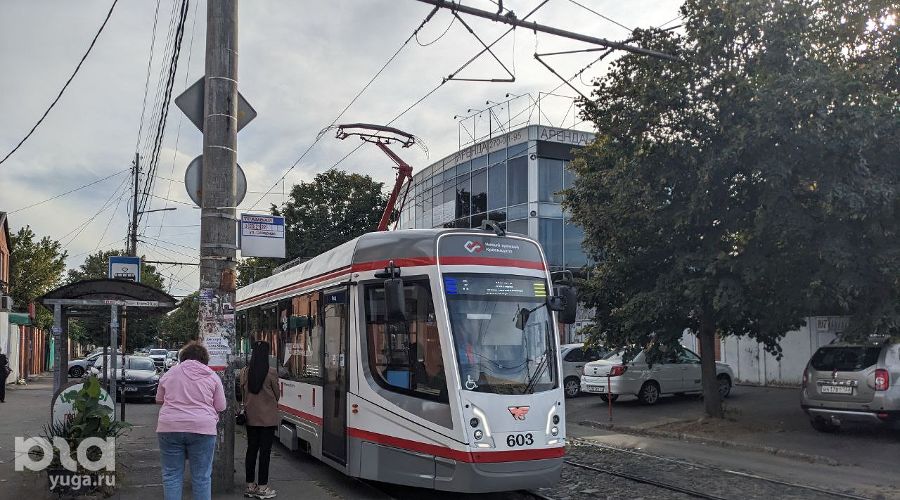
<point>77,230</point>
<point>187,75</point>
<point>147,79</point>
<point>79,188</point>
<point>617,23</point>
<point>65,86</point>
<point>167,98</point>
<point>443,81</point>
<point>352,101</point>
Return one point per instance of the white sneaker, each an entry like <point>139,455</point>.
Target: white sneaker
<point>265,493</point>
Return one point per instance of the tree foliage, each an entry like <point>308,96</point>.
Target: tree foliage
<point>96,267</point>
<point>141,329</point>
<point>180,326</point>
<point>750,184</point>
<point>333,208</point>
<point>36,267</point>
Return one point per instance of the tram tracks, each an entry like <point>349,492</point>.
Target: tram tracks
<point>665,473</point>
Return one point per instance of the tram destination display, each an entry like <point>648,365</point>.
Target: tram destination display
<point>504,286</point>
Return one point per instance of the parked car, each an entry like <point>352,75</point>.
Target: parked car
<point>78,367</point>
<point>171,359</point>
<point>678,373</point>
<point>574,357</point>
<point>159,357</point>
<point>138,375</point>
<point>852,383</point>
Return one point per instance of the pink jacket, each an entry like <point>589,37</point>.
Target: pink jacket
<point>192,396</point>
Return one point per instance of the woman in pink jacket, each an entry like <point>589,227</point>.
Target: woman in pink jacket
<point>192,396</point>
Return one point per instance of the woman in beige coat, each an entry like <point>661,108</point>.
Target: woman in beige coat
<point>260,393</point>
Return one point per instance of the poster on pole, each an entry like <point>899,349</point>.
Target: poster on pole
<point>262,236</point>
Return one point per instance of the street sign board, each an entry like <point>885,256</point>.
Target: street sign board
<point>262,236</point>
<point>191,101</point>
<point>125,268</point>
<point>193,182</point>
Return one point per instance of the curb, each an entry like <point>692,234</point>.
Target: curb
<point>693,438</point>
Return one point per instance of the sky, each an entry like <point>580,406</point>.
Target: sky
<point>300,64</point>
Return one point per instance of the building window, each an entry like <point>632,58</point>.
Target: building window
<point>497,186</point>
<point>463,196</point>
<point>518,226</point>
<point>496,156</point>
<point>517,149</point>
<point>517,211</point>
<point>405,356</point>
<point>517,180</point>
<point>574,253</point>
<point>550,235</point>
<point>497,216</point>
<point>479,191</point>
<point>550,179</point>
<point>568,176</point>
<point>477,219</point>
<point>479,162</point>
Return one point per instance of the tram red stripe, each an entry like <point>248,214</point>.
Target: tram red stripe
<point>461,456</point>
<point>309,417</point>
<point>409,262</point>
<point>490,261</point>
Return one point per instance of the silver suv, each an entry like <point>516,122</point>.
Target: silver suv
<point>852,383</point>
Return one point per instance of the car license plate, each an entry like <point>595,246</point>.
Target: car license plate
<point>596,388</point>
<point>835,389</point>
<point>130,389</point>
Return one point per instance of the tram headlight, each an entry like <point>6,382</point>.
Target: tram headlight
<point>478,434</point>
<point>473,422</point>
<point>554,431</point>
<point>555,420</point>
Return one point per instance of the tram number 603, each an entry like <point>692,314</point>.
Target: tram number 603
<point>519,440</point>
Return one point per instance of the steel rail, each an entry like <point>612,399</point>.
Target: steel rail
<point>729,471</point>
<point>652,482</point>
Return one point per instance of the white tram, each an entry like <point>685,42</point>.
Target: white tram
<point>427,358</point>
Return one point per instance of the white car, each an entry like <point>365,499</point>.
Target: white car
<point>78,367</point>
<point>679,373</point>
<point>159,357</point>
<point>574,356</point>
<point>171,359</point>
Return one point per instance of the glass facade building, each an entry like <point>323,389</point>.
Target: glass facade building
<point>513,179</point>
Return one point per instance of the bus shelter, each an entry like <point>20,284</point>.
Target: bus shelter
<point>98,298</point>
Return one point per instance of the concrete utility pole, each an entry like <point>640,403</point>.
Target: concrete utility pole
<point>132,235</point>
<point>218,236</point>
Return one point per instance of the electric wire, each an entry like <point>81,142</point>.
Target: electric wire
<point>167,99</point>
<point>147,79</point>
<point>617,23</point>
<point>81,227</point>
<point>352,101</point>
<point>79,188</point>
<point>187,75</point>
<point>65,86</point>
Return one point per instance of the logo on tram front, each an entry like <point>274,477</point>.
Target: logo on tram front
<point>474,246</point>
<point>518,412</point>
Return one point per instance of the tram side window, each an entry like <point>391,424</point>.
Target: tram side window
<point>302,347</point>
<point>405,356</point>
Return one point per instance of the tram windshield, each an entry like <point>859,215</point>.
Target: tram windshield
<point>494,354</point>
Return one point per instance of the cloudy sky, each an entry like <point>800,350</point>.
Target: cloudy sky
<point>301,62</point>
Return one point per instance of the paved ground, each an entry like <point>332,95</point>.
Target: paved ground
<point>759,416</point>
<point>756,416</point>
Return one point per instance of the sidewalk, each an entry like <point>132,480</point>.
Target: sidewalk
<point>27,410</point>
<point>765,419</point>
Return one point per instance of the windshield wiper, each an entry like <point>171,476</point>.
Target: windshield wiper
<point>529,389</point>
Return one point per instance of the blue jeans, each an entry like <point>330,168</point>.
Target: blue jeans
<point>174,447</point>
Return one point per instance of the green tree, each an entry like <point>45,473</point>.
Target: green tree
<point>333,208</point>
<point>36,267</point>
<point>96,267</point>
<point>748,185</point>
<point>180,326</point>
<point>142,329</point>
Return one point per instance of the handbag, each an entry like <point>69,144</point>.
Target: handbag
<point>241,417</point>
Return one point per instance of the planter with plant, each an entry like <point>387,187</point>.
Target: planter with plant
<point>67,475</point>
